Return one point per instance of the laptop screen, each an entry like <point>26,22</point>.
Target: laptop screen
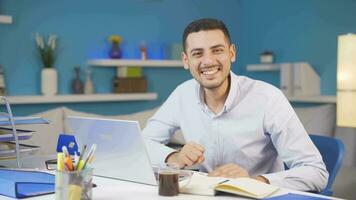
<point>120,153</point>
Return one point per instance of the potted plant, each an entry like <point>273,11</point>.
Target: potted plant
<point>47,54</point>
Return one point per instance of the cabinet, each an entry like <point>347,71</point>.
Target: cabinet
<point>298,81</point>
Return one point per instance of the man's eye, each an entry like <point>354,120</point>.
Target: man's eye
<point>218,50</point>
<point>196,54</point>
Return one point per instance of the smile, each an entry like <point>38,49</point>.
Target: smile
<point>210,71</point>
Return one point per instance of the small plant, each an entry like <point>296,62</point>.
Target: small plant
<point>47,50</point>
<point>115,39</point>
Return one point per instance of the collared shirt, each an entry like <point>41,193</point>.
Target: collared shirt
<point>256,129</point>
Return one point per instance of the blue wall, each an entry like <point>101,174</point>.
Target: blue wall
<point>304,30</point>
<point>83,27</point>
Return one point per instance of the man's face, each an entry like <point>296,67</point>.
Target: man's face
<point>208,56</point>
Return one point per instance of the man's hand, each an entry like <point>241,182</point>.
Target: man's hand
<point>234,171</point>
<point>191,153</point>
<point>230,171</point>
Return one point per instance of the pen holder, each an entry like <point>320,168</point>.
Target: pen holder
<point>74,185</point>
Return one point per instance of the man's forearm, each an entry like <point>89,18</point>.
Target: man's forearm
<point>303,178</point>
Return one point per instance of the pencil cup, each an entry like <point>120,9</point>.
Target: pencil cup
<point>74,185</point>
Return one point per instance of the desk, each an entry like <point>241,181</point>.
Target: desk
<point>112,189</point>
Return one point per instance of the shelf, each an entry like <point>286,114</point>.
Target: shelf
<point>263,67</point>
<point>5,19</point>
<point>313,99</point>
<point>81,98</point>
<point>135,63</point>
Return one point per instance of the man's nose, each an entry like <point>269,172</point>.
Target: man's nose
<point>208,60</point>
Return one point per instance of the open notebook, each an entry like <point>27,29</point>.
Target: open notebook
<point>201,184</point>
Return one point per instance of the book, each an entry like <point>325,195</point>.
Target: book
<point>130,72</point>
<point>202,184</point>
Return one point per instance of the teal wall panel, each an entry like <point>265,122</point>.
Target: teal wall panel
<point>304,30</point>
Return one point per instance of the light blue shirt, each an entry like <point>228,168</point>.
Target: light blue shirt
<point>256,129</point>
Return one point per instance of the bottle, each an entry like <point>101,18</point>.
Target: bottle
<point>2,82</point>
<point>115,85</point>
<point>77,84</point>
<point>143,51</point>
<point>88,85</point>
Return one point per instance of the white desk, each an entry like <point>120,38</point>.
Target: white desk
<point>111,189</point>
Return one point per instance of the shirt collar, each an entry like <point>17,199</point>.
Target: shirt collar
<point>233,92</point>
<point>231,97</point>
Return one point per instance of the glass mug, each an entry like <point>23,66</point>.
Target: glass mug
<point>169,177</point>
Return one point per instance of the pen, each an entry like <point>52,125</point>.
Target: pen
<point>68,163</point>
<point>90,159</point>
<point>81,157</point>
<point>65,151</point>
<point>67,159</point>
<point>207,167</point>
<point>224,181</point>
<point>90,154</point>
<point>76,160</point>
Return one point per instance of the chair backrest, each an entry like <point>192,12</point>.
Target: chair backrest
<point>332,150</point>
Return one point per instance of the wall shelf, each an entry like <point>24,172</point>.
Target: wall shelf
<point>81,98</point>
<point>263,67</point>
<point>135,63</point>
<point>312,99</point>
<point>5,19</point>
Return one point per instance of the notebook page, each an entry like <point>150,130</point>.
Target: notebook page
<point>252,186</point>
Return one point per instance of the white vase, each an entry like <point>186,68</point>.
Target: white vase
<point>49,81</point>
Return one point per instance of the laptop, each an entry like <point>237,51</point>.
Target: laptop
<point>120,152</point>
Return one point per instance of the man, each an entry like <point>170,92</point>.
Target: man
<point>233,126</point>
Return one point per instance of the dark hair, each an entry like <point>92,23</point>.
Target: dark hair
<point>205,24</point>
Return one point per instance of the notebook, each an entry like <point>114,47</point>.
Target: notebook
<point>121,151</point>
<point>201,184</point>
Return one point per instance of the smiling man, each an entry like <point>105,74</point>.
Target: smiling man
<point>233,126</point>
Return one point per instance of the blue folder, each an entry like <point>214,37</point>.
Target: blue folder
<point>291,196</point>
<point>25,183</point>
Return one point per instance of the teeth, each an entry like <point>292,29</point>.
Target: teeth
<point>209,72</point>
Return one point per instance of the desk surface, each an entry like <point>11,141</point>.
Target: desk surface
<point>116,189</point>
<point>111,189</point>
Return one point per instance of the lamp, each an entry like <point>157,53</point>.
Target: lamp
<point>346,81</point>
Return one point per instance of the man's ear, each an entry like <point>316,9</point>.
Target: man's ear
<point>232,53</point>
<point>185,60</point>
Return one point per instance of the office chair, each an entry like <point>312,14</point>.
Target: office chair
<point>332,150</point>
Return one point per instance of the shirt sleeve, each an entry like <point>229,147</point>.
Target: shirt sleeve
<point>160,128</point>
<point>307,171</point>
